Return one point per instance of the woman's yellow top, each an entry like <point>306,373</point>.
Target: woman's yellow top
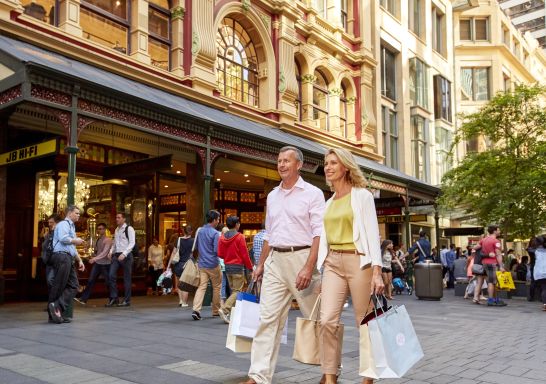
<point>338,224</point>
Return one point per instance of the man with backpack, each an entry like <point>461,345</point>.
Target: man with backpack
<point>421,248</point>
<point>122,252</point>
<point>491,261</point>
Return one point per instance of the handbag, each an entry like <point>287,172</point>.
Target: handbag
<point>504,280</point>
<point>307,345</point>
<point>389,346</point>
<point>176,253</point>
<point>190,278</point>
<point>477,269</point>
<point>237,343</point>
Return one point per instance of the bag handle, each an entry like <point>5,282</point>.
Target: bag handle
<point>317,304</point>
<point>254,288</point>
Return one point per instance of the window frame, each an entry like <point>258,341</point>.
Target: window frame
<point>442,97</point>
<point>344,10</point>
<point>391,75</point>
<point>472,28</point>
<point>343,108</point>
<point>389,119</point>
<point>126,23</point>
<point>420,66</point>
<point>474,84</point>
<point>438,28</point>
<point>443,159</point>
<point>417,27</point>
<point>392,7</point>
<point>326,93</point>
<point>161,39</point>
<point>418,143</point>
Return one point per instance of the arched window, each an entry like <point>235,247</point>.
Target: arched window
<point>298,101</point>
<point>237,64</point>
<point>343,111</point>
<point>320,101</point>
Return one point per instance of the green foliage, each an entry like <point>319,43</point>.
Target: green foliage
<point>505,184</point>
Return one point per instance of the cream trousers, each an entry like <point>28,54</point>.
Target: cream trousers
<point>278,289</point>
<point>341,275</point>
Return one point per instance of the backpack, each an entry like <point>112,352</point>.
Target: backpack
<point>48,251</point>
<point>135,250</point>
<point>521,272</point>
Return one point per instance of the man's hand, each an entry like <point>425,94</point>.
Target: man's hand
<point>78,241</point>
<point>378,286</point>
<point>304,278</point>
<point>121,257</point>
<point>81,266</point>
<point>257,274</point>
<point>92,260</point>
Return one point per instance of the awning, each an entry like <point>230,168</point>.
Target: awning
<point>52,62</point>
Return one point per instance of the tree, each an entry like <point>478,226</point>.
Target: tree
<point>506,183</point>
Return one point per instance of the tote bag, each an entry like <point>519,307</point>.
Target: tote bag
<point>307,346</point>
<point>389,346</point>
<point>237,343</point>
<point>505,280</point>
<point>189,280</point>
<point>539,271</point>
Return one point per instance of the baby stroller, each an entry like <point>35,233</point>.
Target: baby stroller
<point>165,281</point>
<point>399,282</point>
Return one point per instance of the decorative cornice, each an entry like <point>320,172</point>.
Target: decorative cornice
<point>335,91</point>
<point>308,78</point>
<point>245,4</point>
<point>351,100</point>
<point>178,13</point>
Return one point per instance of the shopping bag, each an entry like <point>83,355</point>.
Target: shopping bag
<point>505,281</point>
<point>237,343</point>
<point>189,281</point>
<point>389,346</point>
<point>307,346</point>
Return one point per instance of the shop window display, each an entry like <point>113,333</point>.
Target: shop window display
<point>43,10</point>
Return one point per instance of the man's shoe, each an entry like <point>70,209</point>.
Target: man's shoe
<point>55,313</point>
<point>184,305</point>
<point>491,302</point>
<point>224,315</point>
<point>78,300</point>
<point>67,320</point>
<point>500,303</point>
<point>111,303</point>
<point>124,304</point>
<point>196,315</point>
<point>249,381</point>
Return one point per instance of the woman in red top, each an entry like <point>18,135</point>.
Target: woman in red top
<point>232,248</point>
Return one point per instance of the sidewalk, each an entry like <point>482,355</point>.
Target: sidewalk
<point>154,342</point>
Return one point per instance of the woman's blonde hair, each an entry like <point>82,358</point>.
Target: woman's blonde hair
<point>354,175</point>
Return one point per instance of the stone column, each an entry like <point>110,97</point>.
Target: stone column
<point>203,46</point>
<point>139,31</point>
<point>333,111</point>
<point>307,81</point>
<point>351,118</point>
<point>369,109</point>
<point>69,17</point>
<point>177,32</point>
<point>288,84</point>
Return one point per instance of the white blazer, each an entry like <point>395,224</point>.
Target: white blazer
<point>365,229</point>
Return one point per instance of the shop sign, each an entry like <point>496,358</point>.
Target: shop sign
<point>389,211</point>
<point>400,219</point>
<point>138,168</point>
<point>30,152</point>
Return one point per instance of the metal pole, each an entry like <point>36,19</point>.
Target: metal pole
<point>437,222</point>
<point>208,177</point>
<point>72,149</point>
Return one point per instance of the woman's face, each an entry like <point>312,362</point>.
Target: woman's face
<point>333,169</point>
<point>390,246</point>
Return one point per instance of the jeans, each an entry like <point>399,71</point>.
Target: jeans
<point>127,265</point>
<point>65,282</point>
<point>96,272</point>
<point>226,289</point>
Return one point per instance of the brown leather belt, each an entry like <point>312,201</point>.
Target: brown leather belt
<point>291,249</point>
<point>347,251</point>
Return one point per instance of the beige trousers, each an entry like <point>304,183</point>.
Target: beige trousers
<point>278,289</point>
<point>236,284</point>
<point>341,275</point>
<point>215,277</point>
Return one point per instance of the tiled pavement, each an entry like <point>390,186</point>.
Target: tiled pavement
<point>154,341</point>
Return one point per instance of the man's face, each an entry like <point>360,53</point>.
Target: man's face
<point>74,215</point>
<point>101,230</point>
<point>51,224</point>
<point>288,165</point>
<point>120,220</point>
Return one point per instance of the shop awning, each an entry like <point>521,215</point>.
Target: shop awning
<point>51,62</point>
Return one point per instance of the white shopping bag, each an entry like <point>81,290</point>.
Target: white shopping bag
<point>245,321</point>
<point>237,343</point>
<point>388,345</point>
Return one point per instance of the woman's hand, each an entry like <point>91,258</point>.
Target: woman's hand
<point>378,286</point>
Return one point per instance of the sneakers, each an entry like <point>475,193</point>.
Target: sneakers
<point>491,302</point>
<point>500,303</point>
<point>224,315</point>
<point>78,300</point>
<point>124,304</point>
<point>196,315</point>
<point>55,313</point>
<point>111,303</point>
<point>183,305</point>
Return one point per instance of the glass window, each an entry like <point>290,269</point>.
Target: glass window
<point>159,36</point>
<point>442,98</point>
<point>103,30</point>
<point>465,29</point>
<point>443,146</point>
<point>388,73</point>
<point>159,54</point>
<point>481,27</point>
<point>344,15</point>
<point>419,147</point>
<point>474,29</point>
<point>391,6</point>
<point>43,10</point>
<point>237,64</point>
<point>158,23</point>
<point>438,31</point>
<point>160,3</point>
<point>117,8</point>
<point>390,137</point>
<point>475,84</point>
<point>418,83</point>
<point>298,100</point>
<point>506,36</point>
<point>343,111</point>
<point>416,17</point>
<point>321,7</point>
<point>320,102</point>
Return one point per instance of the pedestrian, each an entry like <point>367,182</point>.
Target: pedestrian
<point>122,256</point>
<point>184,246</point>
<point>65,281</point>
<point>443,261</point>
<point>209,267</point>
<point>350,266</point>
<point>288,260</point>
<point>387,258</point>
<point>232,249</point>
<point>100,261</point>
<point>257,244</point>
<point>420,250</point>
<point>531,252</point>
<point>450,260</point>
<point>539,269</point>
<point>155,265</point>
<point>47,249</point>
<point>490,248</point>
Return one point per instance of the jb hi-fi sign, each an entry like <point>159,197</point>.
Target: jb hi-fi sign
<point>30,152</point>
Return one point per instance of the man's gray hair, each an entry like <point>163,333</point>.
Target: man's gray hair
<point>299,153</point>
<point>72,208</point>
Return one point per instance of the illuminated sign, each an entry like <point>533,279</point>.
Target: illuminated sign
<point>400,219</point>
<point>30,152</point>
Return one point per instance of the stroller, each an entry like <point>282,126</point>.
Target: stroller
<point>399,282</point>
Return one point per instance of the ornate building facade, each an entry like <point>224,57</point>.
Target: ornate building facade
<point>164,108</point>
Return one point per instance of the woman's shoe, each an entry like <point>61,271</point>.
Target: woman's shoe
<point>476,301</point>
<point>329,379</point>
<point>367,381</point>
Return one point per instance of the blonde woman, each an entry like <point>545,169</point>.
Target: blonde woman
<point>349,253</point>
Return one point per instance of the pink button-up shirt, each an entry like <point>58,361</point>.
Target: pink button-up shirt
<point>294,216</point>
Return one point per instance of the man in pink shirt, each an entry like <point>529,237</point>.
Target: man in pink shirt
<point>288,260</point>
<point>491,260</point>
